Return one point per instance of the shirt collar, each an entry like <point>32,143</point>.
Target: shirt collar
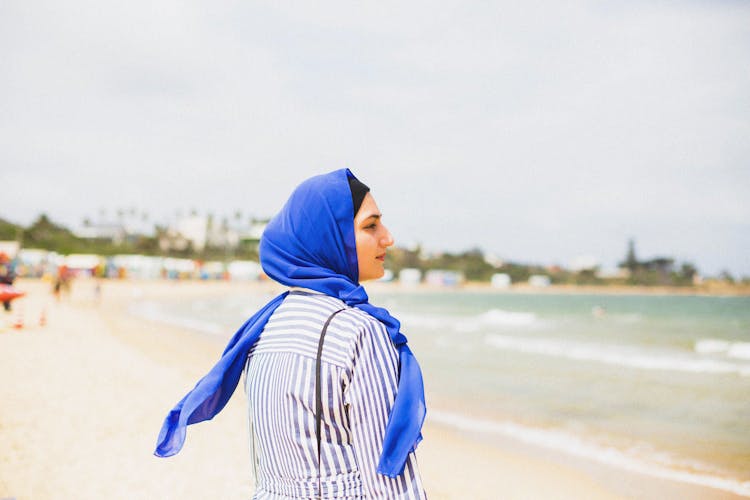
<point>304,290</point>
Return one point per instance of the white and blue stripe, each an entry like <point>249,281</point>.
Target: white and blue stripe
<point>359,378</point>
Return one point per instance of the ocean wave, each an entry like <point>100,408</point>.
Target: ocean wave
<point>491,318</point>
<point>628,318</point>
<point>153,312</point>
<point>711,346</point>
<point>640,459</point>
<point>737,350</point>
<point>508,318</point>
<point>615,355</point>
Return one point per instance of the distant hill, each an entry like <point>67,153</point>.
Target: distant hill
<point>8,230</point>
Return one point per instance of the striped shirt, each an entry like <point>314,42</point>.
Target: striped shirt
<point>359,378</point>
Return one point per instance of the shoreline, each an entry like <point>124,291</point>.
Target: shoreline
<point>116,358</point>
<point>521,289</point>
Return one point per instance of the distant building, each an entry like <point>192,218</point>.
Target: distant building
<point>9,248</point>
<point>194,228</point>
<point>441,277</point>
<point>500,280</point>
<point>244,270</point>
<point>179,268</point>
<point>387,276</point>
<point>221,235</point>
<point>108,232</point>
<point>410,276</point>
<point>83,264</point>
<point>201,232</point>
<point>249,236</point>
<point>34,262</point>
<point>212,270</point>
<point>539,281</point>
<point>136,266</point>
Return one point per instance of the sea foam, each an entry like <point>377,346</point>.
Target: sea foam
<point>153,312</point>
<point>737,350</point>
<point>496,318</point>
<point>641,459</point>
<point>616,355</point>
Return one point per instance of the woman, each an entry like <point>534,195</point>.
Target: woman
<point>336,397</point>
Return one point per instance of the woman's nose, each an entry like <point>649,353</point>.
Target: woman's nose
<point>387,240</point>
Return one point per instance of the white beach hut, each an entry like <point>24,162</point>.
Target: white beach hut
<point>500,280</point>
<point>83,264</point>
<point>138,266</point>
<point>244,270</point>
<point>410,276</point>
<point>539,281</point>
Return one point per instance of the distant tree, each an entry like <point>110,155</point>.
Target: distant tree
<point>518,272</point>
<point>401,258</point>
<point>43,233</point>
<point>685,275</point>
<point>10,231</point>
<point>587,277</point>
<point>146,245</point>
<point>474,266</point>
<point>725,275</point>
<point>631,261</point>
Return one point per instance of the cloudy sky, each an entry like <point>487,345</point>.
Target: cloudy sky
<point>537,131</point>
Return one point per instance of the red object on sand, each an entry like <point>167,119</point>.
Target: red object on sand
<point>9,292</point>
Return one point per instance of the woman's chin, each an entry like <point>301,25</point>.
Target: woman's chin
<point>372,275</point>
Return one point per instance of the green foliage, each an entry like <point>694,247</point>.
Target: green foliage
<point>727,277</point>
<point>9,231</point>
<point>517,272</point>
<point>658,271</point>
<point>44,233</point>
<point>471,263</point>
<point>685,276</point>
<point>402,258</point>
<point>631,261</point>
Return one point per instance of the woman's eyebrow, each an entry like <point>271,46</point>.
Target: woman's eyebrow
<point>371,216</point>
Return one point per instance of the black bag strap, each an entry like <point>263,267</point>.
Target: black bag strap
<point>318,402</point>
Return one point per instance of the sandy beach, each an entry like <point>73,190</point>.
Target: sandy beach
<point>83,397</point>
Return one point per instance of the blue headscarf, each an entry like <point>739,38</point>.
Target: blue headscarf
<point>309,244</point>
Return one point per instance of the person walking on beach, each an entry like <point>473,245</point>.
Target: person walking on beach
<point>7,276</point>
<point>336,398</point>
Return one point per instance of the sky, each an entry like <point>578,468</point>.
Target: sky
<point>539,132</point>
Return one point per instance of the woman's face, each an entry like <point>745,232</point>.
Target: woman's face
<point>372,239</point>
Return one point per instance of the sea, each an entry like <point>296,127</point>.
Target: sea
<point>655,384</point>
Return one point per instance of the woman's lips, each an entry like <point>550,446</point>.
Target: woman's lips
<point>381,257</point>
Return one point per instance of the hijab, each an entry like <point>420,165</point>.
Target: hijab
<point>310,243</point>
<point>359,191</point>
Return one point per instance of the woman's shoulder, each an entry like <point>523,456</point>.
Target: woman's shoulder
<point>312,302</point>
<point>349,322</point>
<point>360,319</point>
